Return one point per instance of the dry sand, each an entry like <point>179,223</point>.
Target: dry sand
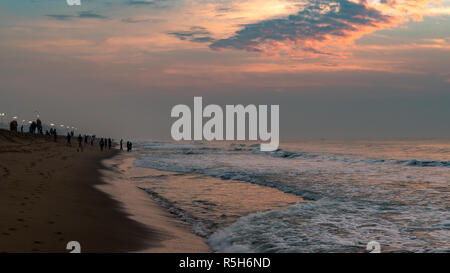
<point>49,195</point>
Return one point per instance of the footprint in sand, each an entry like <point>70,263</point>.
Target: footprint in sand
<point>5,172</point>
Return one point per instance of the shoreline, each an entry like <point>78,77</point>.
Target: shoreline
<point>175,235</point>
<point>51,194</point>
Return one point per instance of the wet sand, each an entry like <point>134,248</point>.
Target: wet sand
<point>174,235</point>
<point>50,195</point>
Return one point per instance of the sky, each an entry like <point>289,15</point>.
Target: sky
<point>338,69</point>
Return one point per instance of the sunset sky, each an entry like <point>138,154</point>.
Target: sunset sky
<point>343,68</point>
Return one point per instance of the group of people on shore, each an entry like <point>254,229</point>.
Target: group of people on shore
<point>104,143</point>
<point>129,145</point>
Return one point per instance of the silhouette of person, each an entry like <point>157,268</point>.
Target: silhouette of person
<point>55,135</point>
<point>80,142</point>
<point>39,126</point>
<point>68,137</point>
<point>13,126</point>
<point>33,127</point>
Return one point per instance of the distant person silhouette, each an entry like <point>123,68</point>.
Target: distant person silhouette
<point>68,137</point>
<point>101,144</point>
<point>55,135</point>
<point>121,144</point>
<point>39,126</point>
<point>80,142</point>
<point>33,127</point>
<point>13,126</point>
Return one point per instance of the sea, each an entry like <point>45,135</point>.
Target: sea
<point>307,196</point>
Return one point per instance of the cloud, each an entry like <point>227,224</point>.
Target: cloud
<point>81,15</point>
<point>88,14</point>
<point>312,30</point>
<point>194,34</point>
<point>62,17</point>
<point>137,2</point>
<point>133,20</point>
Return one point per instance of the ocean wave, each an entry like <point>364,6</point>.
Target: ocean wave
<point>175,146</point>
<point>419,163</point>
<point>353,200</point>
<point>199,148</point>
<point>333,226</point>
<point>279,153</point>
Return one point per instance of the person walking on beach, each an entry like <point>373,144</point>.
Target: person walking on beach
<point>121,144</point>
<point>68,137</point>
<point>13,126</point>
<point>39,126</point>
<point>109,143</point>
<point>101,144</point>
<point>80,142</point>
<point>92,140</point>
<point>33,127</point>
<point>55,135</point>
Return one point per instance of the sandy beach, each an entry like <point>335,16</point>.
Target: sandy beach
<point>51,194</point>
